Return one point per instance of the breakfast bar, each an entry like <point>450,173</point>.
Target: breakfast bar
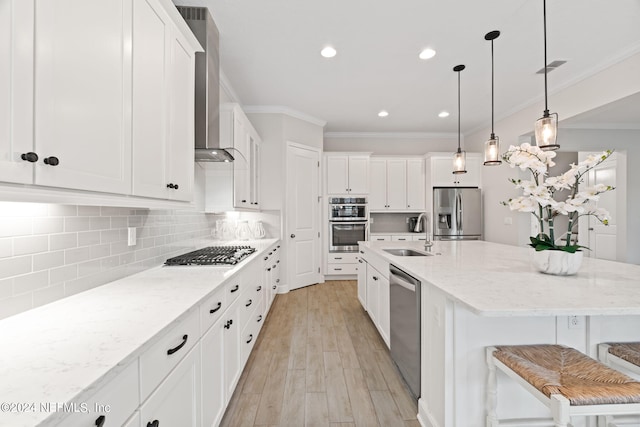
<point>477,294</point>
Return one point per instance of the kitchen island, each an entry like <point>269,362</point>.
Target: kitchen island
<point>477,294</point>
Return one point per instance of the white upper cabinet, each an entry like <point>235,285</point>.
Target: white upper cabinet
<point>397,184</point>
<point>163,103</point>
<point>97,95</point>
<point>415,184</point>
<point>82,92</point>
<point>442,171</point>
<point>347,174</point>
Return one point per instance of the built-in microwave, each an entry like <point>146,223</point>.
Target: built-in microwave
<point>344,236</point>
<point>348,209</point>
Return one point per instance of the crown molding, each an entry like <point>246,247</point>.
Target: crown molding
<point>392,135</point>
<point>601,126</point>
<point>281,109</point>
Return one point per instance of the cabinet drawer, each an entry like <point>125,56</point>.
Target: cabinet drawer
<point>116,401</point>
<point>380,238</point>
<point>164,355</point>
<point>342,269</point>
<point>248,338</point>
<point>233,288</point>
<point>212,308</point>
<point>246,307</point>
<point>343,258</point>
<point>419,238</point>
<point>401,238</point>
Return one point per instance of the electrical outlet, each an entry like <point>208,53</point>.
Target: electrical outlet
<point>131,236</point>
<point>575,322</point>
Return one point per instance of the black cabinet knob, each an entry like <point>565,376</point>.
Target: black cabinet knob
<point>154,423</point>
<point>100,421</point>
<point>175,186</point>
<point>29,157</point>
<point>51,161</point>
<point>243,201</point>
<point>170,185</point>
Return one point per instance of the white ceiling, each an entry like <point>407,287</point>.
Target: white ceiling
<point>270,55</point>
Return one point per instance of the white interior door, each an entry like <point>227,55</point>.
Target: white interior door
<point>303,210</point>
<point>601,239</point>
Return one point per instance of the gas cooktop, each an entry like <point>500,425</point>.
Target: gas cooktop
<point>213,255</point>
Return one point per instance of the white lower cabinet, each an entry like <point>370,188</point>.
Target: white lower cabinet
<point>213,368</point>
<point>112,405</point>
<point>176,402</point>
<point>231,347</point>
<point>362,282</point>
<point>134,421</point>
<point>377,290</point>
<point>380,238</point>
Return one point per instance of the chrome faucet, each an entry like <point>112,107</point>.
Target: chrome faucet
<point>427,241</point>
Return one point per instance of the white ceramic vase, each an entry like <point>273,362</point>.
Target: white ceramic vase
<point>559,263</point>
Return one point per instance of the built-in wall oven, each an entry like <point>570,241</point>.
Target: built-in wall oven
<point>348,223</point>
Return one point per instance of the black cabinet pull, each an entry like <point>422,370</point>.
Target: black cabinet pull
<point>259,289</point>
<point>51,161</point>
<point>278,246</point>
<point>269,269</point>
<point>170,185</point>
<point>360,261</point>
<point>154,423</point>
<point>235,289</point>
<point>277,280</point>
<point>274,287</point>
<point>278,262</point>
<point>375,278</point>
<point>213,310</point>
<point>29,157</point>
<point>338,257</point>
<point>259,318</point>
<point>243,201</point>
<point>175,186</point>
<point>250,338</point>
<point>173,350</point>
<point>274,266</point>
<point>337,269</point>
<point>248,303</point>
<point>270,252</point>
<point>100,421</point>
<point>266,258</point>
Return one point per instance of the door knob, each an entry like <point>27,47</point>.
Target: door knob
<point>29,157</point>
<point>51,161</point>
<point>293,236</point>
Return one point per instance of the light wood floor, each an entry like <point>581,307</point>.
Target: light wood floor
<point>319,361</point>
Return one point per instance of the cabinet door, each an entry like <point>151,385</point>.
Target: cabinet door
<point>373,294</point>
<point>442,172</point>
<point>241,163</point>
<point>82,94</point>
<point>472,177</point>
<point>16,90</point>
<point>358,174</point>
<point>176,401</point>
<point>180,162</point>
<point>213,374</point>
<point>378,187</point>
<point>384,319</point>
<point>231,346</point>
<point>397,184</point>
<point>150,84</point>
<point>254,161</point>
<point>337,174</point>
<point>362,282</point>
<point>415,184</point>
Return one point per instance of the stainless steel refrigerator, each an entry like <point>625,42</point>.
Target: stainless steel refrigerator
<point>457,213</point>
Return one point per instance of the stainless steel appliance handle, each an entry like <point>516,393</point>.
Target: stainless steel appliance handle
<point>401,278</point>
<point>459,212</point>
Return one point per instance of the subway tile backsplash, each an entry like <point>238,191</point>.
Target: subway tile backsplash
<point>48,252</point>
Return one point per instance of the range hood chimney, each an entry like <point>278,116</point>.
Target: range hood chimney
<point>207,96</point>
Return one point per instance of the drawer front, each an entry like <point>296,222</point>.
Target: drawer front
<point>164,355</point>
<point>248,338</point>
<point>247,306</point>
<point>342,258</point>
<point>113,404</point>
<point>233,288</point>
<point>401,238</point>
<point>419,238</point>
<point>380,238</point>
<point>342,269</point>
<point>212,309</point>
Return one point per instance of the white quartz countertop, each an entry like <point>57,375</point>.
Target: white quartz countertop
<point>55,352</point>
<point>498,280</point>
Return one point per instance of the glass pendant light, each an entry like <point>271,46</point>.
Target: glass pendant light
<point>546,128</point>
<point>459,157</point>
<point>492,146</point>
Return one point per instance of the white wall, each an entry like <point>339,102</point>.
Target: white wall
<point>391,145</point>
<point>616,82</point>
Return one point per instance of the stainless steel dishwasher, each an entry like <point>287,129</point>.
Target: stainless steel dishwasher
<point>405,326</point>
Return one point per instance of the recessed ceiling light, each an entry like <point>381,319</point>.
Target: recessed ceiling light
<point>443,114</point>
<point>328,52</point>
<point>427,54</point>
<point>383,113</point>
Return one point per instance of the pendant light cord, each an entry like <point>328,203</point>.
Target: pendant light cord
<point>458,111</point>
<point>544,16</point>
<point>492,133</point>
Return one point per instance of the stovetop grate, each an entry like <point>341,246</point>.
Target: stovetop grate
<point>213,255</point>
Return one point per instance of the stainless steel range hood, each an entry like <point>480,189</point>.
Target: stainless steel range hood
<point>207,97</point>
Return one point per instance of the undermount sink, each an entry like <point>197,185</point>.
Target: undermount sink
<point>406,252</point>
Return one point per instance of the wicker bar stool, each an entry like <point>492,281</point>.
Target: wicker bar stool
<point>568,382</point>
<point>624,356</point>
